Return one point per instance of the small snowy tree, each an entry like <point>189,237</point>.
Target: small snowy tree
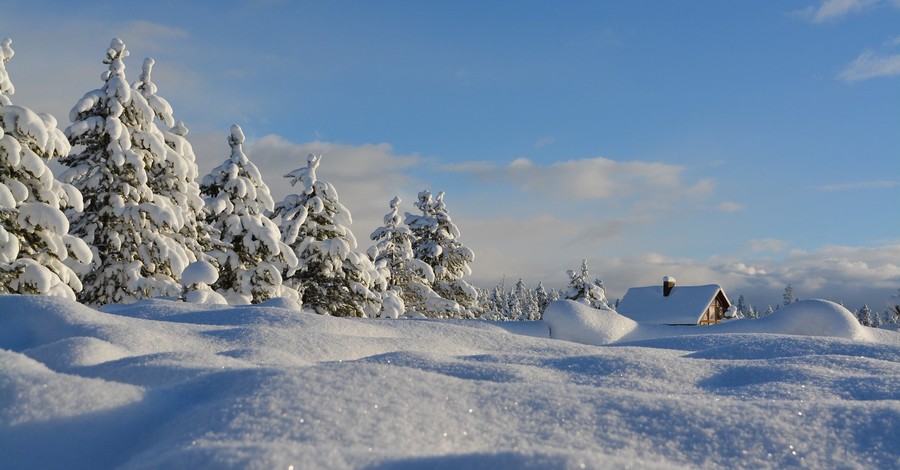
<point>253,257</point>
<point>581,289</point>
<point>333,277</point>
<point>892,310</point>
<point>742,307</point>
<point>436,242</point>
<point>129,228</point>
<point>35,244</point>
<point>408,276</point>
<point>494,304</point>
<point>543,298</point>
<point>789,295</point>
<point>524,302</point>
<point>864,315</point>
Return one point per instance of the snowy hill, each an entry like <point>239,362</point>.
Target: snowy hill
<point>161,384</point>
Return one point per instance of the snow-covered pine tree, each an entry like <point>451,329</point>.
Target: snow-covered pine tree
<point>581,289</point>
<point>436,242</point>
<point>35,245</point>
<point>332,276</point>
<point>408,276</point>
<point>892,309</point>
<point>253,257</point>
<point>494,304</point>
<point>173,179</point>
<point>114,141</point>
<point>864,315</point>
<point>543,299</point>
<point>525,301</point>
<point>742,307</point>
<point>789,295</point>
<point>877,319</point>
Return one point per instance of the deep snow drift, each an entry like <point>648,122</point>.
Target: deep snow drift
<point>162,384</point>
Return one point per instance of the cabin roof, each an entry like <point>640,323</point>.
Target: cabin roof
<point>684,305</point>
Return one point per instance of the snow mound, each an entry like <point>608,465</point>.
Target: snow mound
<point>77,352</point>
<point>199,272</point>
<point>580,323</point>
<point>41,395</point>
<point>807,317</point>
<point>280,302</point>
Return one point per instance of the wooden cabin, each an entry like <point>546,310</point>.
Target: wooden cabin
<point>668,304</point>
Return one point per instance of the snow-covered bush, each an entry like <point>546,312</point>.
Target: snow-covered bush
<point>36,251</point>
<point>332,276</point>
<point>252,258</point>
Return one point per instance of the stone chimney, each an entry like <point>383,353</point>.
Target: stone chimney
<point>668,285</point>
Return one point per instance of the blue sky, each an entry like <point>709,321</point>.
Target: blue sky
<point>746,143</point>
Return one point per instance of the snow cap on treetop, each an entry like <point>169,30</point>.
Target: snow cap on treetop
<point>307,174</point>
<point>114,56</point>
<point>146,72</point>
<point>395,202</point>
<point>312,162</point>
<point>6,53</point>
<point>236,141</point>
<point>116,50</point>
<point>237,135</point>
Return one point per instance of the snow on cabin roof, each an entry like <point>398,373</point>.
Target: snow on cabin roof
<point>683,306</point>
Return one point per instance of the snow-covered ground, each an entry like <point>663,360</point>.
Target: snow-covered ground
<point>162,384</point>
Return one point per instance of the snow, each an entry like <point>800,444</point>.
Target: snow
<point>165,384</point>
<point>199,272</point>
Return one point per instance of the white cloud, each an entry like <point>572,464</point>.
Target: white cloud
<point>603,178</point>
<point>728,206</point>
<point>834,10</point>
<point>479,167</point>
<point>871,64</point>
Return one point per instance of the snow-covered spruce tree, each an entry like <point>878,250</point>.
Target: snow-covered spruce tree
<point>892,309</point>
<point>332,276</point>
<point>789,295</point>
<point>35,245</point>
<point>542,297</point>
<point>529,301</point>
<point>495,304</point>
<point>741,307</point>
<point>173,179</point>
<point>129,228</point>
<point>583,290</point>
<point>408,276</point>
<point>864,315</point>
<point>252,257</point>
<point>436,242</point>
